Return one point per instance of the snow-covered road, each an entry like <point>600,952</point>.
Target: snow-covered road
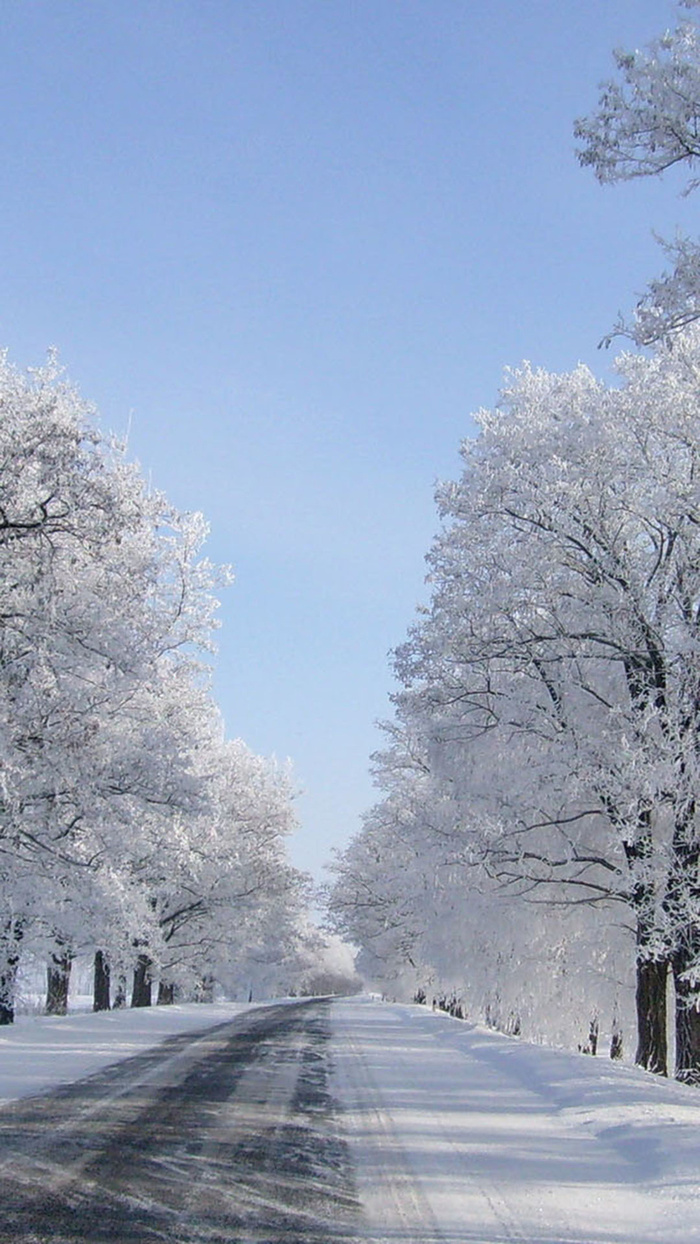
<point>226,1136</point>
<point>351,1121</point>
<point>459,1135</point>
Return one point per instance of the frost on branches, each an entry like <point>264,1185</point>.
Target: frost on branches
<point>536,845</point>
<point>128,825</point>
<point>648,121</point>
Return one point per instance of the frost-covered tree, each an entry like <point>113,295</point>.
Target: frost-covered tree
<point>549,693</point>
<point>648,121</point>
<point>103,596</point>
<point>127,824</point>
<point>237,894</point>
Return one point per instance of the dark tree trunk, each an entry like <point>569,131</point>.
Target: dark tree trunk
<point>687,1014</point>
<point>120,994</point>
<point>166,994</point>
<point>9,962</point>
<point>652,967</point>
<point>7,995</point>
<point>101,983</point>
<point>681,900</point>
<point>141,992</point>
<point>687,1039</point>
<point>616,1039</point>
<point>652,1045</point>
<point>58,982</point>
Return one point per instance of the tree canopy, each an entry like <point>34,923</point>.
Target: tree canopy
<point>128,823</point>
<point>544,754</point>
<point>648,121</point>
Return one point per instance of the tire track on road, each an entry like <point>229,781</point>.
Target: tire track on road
<point>227,1137</point>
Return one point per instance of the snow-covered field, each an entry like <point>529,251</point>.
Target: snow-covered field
<point>458,1134</point>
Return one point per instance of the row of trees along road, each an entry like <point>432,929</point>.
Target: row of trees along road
<point>540,788</point>
<point>130,827</point>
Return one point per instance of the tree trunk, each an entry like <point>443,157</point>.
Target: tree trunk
<point>616,1039</point>
<point>141,992</point>
<point>101,982</point>
<point>58,982</point>
<point>7,994</point>
<point>687,1014</point>
<point>166,994</point>
<point>591,1046</point>
<point>120,994</point>
<point>651,967</point>
<point>681,903</point>
<point>652,1047</point>
<point>687,1040</point>
<point>10,940</point>
<point>205,989</point>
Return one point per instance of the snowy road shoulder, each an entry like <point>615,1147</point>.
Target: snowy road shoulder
<point>462,1134</point>
<point>38,1053</point>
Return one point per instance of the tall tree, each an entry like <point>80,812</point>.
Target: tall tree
<point>103,597</point>
<point>648,121</point>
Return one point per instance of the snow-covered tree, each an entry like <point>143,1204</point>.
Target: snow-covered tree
<point>237,894</point>
<point>127,824</point>
<point>547,717</point>
<point>648,121</point>
<point>103,597</point>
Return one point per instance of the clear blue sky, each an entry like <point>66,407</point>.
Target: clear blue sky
<point>293,244</point>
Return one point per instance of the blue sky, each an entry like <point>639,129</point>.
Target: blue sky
<point>291,245</point>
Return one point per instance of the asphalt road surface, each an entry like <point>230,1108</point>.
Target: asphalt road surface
<point>230,1135</point>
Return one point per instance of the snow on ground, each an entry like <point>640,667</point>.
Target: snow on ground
<point>39,1052</point>
<point>461,1134</point>
<point>458,1134</point>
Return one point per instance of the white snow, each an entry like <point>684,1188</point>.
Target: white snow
<point>38,1053</point>
<point>461,1134</point>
